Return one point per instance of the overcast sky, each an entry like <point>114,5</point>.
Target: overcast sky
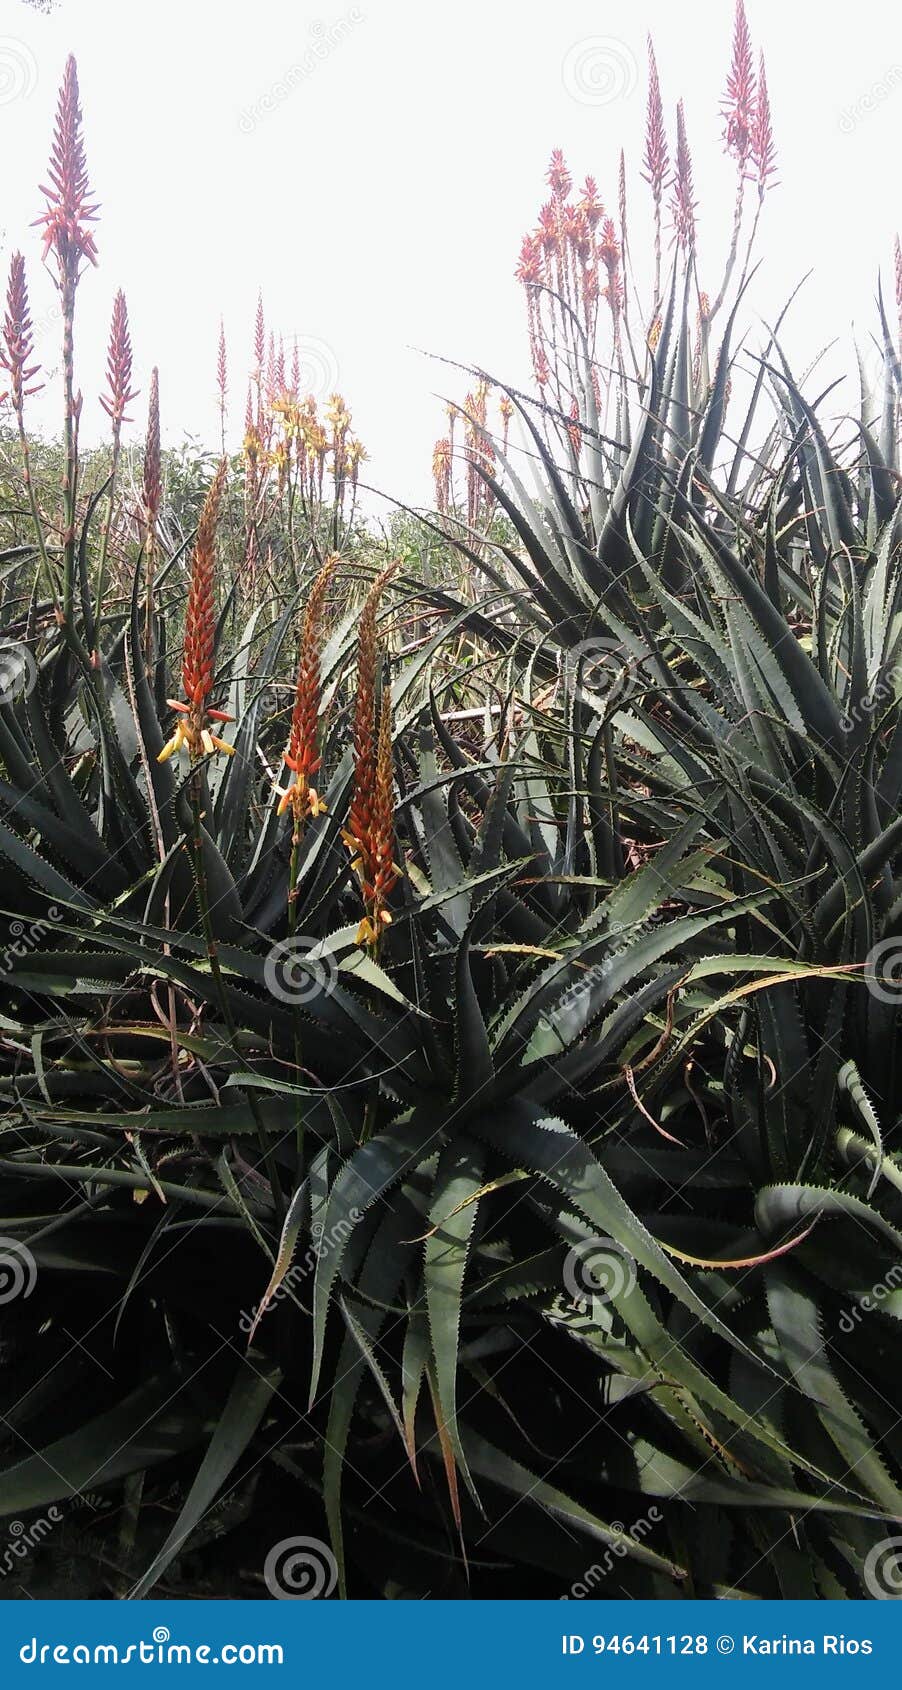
<point>373,168</point>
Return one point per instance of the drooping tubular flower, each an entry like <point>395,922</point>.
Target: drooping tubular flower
<point>17,347</point>
<point>192,728</point>
<point>302,754</point>
<point>369,834</point>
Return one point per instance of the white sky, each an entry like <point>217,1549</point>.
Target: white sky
<point>381,200</point>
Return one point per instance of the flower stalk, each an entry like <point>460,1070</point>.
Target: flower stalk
<point>193,731</point>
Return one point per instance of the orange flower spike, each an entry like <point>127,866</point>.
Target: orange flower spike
<point>192,729</point>
<point>302,753</point>
<point>385,870</point>
<point>360,815</point>
<point>370,832</point>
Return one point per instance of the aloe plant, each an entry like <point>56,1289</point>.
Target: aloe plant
<point>447,1054</point>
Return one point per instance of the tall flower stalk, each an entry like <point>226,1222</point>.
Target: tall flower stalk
<point>69,242</point>
<point>151,496</point>
<point>222,384</point>
<point>302,754</point>
<point>370,835</point>
<point>194,713</point>
<point>120,394</point>
<point>16,354</point>
<point>656,159</point>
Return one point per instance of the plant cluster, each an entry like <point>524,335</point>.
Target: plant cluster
<point>452,1107</point>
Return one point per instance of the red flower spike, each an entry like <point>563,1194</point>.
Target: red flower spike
<point>69,212</point>
<point>119,368</point>
<point>739,107</point>
<point>18,338</point>
<point>682,204</point>
<point>762,150</point>
<point>656,158</point>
